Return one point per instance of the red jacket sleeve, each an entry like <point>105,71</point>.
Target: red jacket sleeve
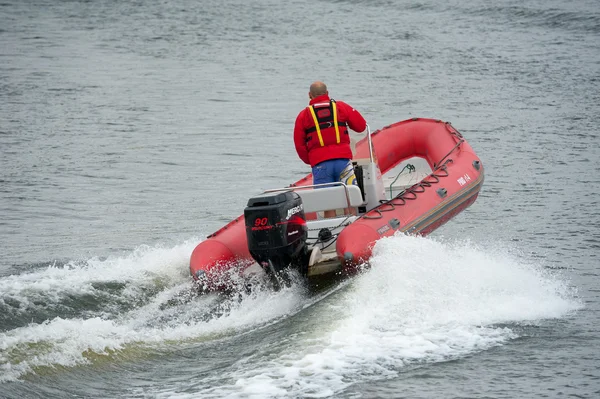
<point>300,138</point>
<point>354,119</point>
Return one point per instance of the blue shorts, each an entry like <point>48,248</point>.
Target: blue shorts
<point>334,170</point>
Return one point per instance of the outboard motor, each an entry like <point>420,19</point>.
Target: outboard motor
<point>276,231</point>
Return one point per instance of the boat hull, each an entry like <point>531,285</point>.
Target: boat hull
<point>454,184</point>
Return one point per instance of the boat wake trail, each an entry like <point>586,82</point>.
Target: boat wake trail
<point>118,308</point>
<point>423,301</point>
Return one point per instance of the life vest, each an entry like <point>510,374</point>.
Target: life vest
<point>327,127</point>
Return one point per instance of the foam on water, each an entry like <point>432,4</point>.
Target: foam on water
<point>162,308</point>
<point>100,289</point>
<point>422,301</point>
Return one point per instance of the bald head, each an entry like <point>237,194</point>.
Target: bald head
<point>317,89</point>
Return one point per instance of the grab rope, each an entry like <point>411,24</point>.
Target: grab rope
<point>461,140</point>
<point>450,152</point>
<point>439,170</point>
<point>410,193</point>
<point>344,222</point>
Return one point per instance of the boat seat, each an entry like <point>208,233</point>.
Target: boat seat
<point>323,199</point>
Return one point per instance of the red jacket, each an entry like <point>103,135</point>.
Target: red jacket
<point>308,144</point>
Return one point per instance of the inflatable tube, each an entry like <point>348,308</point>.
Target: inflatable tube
<point>453,185</point>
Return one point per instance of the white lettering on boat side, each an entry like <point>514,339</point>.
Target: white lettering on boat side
<point>464,179</point>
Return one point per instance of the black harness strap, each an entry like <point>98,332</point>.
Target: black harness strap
<point>325,125</point>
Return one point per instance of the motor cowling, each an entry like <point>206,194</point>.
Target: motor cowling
<point>276,229</point>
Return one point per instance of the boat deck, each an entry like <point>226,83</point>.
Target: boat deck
<point>403,176</point>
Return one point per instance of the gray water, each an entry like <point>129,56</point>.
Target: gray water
<point>129,131</point>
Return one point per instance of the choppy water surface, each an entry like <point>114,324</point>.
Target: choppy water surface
<point>129,131</point>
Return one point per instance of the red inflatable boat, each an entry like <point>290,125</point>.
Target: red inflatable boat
<point>284,228</point>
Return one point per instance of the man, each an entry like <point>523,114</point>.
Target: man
<point>321,137</point>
